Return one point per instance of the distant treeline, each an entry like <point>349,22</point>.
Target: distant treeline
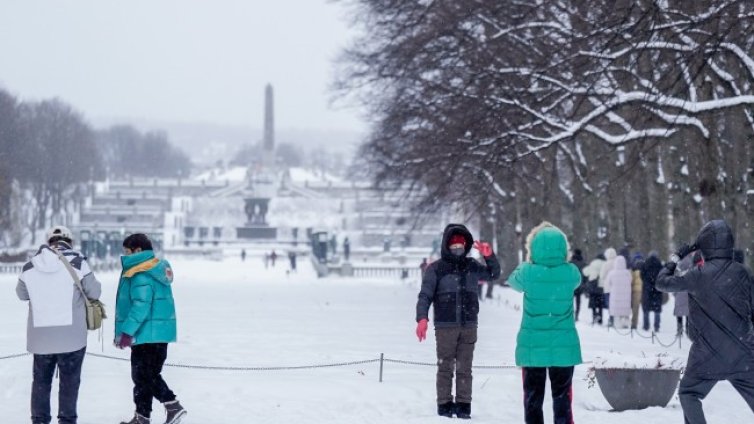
<point>47,149</point>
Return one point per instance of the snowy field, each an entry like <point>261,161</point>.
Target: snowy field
<point>241,315</point>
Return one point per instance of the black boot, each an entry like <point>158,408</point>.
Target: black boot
<point>446,409</point>
<point>174,412</point>
<point>137,419</point>
<point>463,410</point>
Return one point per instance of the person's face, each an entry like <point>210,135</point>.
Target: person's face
<point>127,251</point>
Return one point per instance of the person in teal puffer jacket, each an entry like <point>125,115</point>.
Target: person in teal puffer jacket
<point>547,341</point>
<point>145,321</point>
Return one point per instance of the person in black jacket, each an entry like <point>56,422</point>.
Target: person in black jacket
<point>578,259</point>
<point>651,298</point>
<point>450,285</point>
<point>721,302</point>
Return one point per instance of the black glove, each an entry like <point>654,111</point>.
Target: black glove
<point>670,266</point>
<point>684,250</point>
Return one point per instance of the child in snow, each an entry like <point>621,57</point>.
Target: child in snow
<point>450,284</point>
<point>547,342</point>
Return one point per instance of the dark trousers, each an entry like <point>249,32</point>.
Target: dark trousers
<point>646,321</point>
<point>455,352</point>
<point>692,390</point>
<point>69,367</point>
<point>146,368</point>
<point>535,379</point>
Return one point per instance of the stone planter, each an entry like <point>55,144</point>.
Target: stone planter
<point>637,388</point>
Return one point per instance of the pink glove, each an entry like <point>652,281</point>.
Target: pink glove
<point>421,329</point>
<point>484,248</point>
<point>124,341</point>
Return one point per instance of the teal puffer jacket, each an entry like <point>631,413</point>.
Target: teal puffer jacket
<point>144,305</point>
<point>548,336</point>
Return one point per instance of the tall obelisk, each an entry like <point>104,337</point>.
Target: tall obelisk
<point>269,120</point>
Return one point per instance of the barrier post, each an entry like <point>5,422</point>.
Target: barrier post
<point>382,362</point>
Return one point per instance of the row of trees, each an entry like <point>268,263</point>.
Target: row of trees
<point>47,150</point>
<point>624,121</point>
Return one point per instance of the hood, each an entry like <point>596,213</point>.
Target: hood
<point>620,264</point>
<point>146,262</point>
<point>46,261</point>
<point>716,240</point>
<point>547,245</point>
<point>610,253</point>
<point>450,231</point>
<point>653,262</point>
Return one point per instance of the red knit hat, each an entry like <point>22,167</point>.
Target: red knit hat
<point>457,239</point>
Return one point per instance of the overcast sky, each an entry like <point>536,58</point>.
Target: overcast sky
<point>178,60</point>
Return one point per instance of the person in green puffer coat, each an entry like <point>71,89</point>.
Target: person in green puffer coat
<point>547,342</point>
<point>145,321</point>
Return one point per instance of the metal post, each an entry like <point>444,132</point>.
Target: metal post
<point>653,337</point>
<point>382,362</point>
<point>680,342</point>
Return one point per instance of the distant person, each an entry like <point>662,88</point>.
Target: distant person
<point>619,281</point>
<point>636,289</point>
<point>56,331</point>
<point>347,249</point>
<point>592,273</point>
<point>721,303</point>
<point>578,259</point>
<point>243,255</point>
<point>450,285</point>
<point>292,260</point>
<point>423,266</point>
<point>610,255</point>
<point>651,300</point>
<point>266,260</point>
<point>145,321</point>
<point>547,343</point>
<point>273,258</point>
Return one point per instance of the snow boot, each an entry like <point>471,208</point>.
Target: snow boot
<point>174,412</point>
<point>137,419</point>
<point>463,410</point>
<point>446,409</point>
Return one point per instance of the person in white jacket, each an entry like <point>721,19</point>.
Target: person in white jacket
<point>592,274</point>
<point>56,329</point>
<point>618,282</point>
<point>610,255</point>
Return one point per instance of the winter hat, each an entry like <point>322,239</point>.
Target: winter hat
<point>457,239</point>
<point>59,231</point>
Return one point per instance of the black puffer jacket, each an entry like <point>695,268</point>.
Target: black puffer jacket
<point>721,299</point>
<point>651,298</point>
<point>451,284</point>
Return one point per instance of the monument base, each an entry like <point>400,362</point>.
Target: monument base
<point>257,233</point>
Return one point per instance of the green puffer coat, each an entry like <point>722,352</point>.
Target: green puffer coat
<point>548,336</point>
<point>144,305</point>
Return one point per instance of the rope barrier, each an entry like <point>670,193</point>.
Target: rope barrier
<point>18,355</point>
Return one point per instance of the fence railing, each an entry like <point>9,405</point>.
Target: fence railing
<point>386,272</point>
<point>382,360</point>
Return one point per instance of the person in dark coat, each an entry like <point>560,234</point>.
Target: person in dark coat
<point>450,285</point>
<point>578,259</point>
<point>595,292</point>
<point>651,298</point>
<point>721,302</point>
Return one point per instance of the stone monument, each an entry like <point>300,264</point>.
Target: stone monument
<point>260,182</point>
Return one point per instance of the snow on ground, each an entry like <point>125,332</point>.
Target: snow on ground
<point>239,314</point>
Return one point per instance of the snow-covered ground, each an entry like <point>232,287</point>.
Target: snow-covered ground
<point>239,314</point>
